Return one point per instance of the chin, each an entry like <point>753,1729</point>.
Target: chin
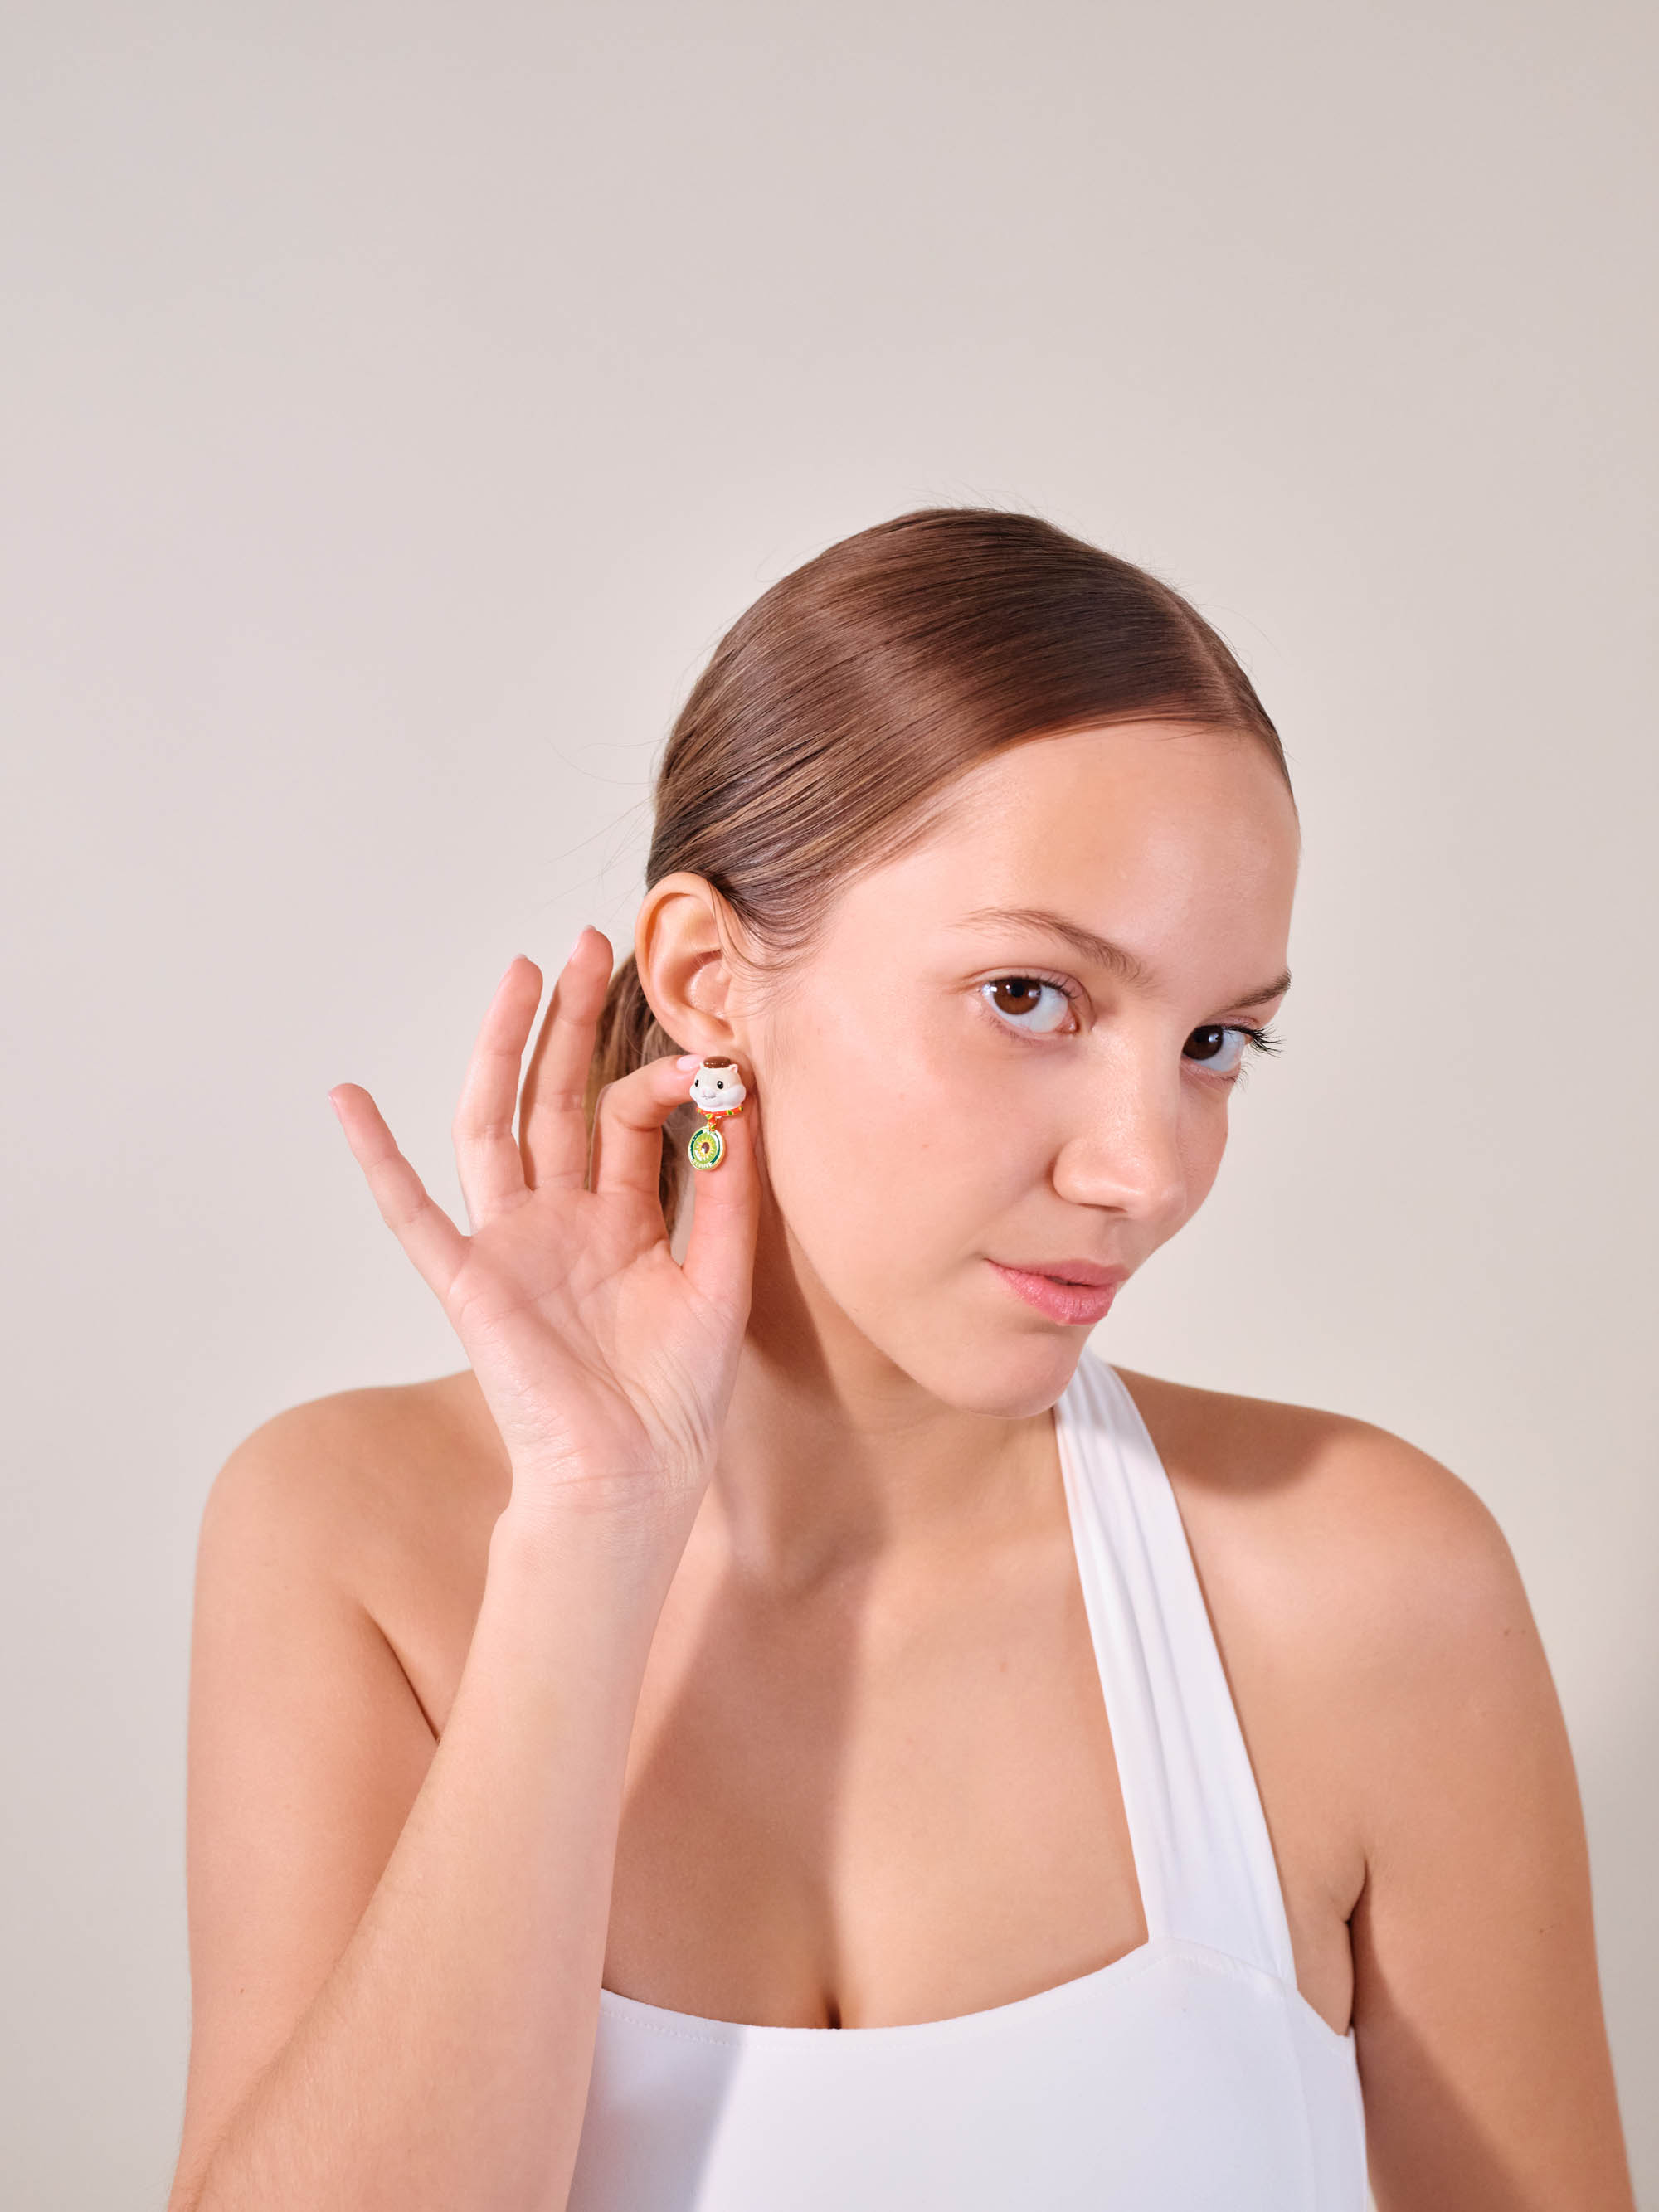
<point>1008,1373</point>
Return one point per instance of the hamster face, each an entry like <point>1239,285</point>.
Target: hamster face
<point>717,1089</point>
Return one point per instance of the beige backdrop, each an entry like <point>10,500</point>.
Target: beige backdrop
<point>397,402</point>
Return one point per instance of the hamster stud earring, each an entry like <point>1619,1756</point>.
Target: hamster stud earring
<point>717,1091</point>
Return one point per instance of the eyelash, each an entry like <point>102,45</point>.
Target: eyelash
<point>1263,1041</point>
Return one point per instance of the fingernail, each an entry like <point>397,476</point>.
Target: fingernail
<point>575,942</point>
<point>688,1060</point>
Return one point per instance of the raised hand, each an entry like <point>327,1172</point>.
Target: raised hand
<point>608,1365</point>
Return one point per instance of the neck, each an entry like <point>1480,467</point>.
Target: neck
<point>833,1458</point>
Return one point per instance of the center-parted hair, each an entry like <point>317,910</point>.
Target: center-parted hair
<point>823,738</point>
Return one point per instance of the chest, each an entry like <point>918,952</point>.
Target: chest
<point>898,1806</point>
<point>884,1808</point>
<point>899,1801</point>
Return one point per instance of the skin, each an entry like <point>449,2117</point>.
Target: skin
<point>867,1776</point>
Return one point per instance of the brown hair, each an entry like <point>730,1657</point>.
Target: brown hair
<point>822,737</point>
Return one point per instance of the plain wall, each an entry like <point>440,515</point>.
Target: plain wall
<point>397,402</point>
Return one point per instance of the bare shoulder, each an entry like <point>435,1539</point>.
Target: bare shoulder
<point>339,1569</point>
<point>384,1496</point>
<point>1267,1448</point>
<point>395,1459</point>
<point>1346,1531</point>
<point>1382,1656</point>
<point>1418,1778</point>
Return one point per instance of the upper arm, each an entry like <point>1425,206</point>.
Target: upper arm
<point>1477,2007</point>
<point>307,1749</point>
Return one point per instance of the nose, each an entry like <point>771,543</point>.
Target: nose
<point>1124,1152</point>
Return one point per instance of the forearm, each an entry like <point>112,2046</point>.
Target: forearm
<point>445,2062</point>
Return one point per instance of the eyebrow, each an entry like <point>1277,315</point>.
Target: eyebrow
<point>1100,952</point>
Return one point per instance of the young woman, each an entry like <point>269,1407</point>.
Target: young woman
<point>789,1725</point>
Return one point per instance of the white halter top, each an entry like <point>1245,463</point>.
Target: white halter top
<point>1187,2076</point>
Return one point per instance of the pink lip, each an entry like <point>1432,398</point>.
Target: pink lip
<point>1086,1297</point>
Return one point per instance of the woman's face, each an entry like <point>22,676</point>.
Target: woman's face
<point>952,1082</point>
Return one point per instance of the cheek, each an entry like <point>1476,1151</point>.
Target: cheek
<point>1203,1142</point>
<point>885,1156</point>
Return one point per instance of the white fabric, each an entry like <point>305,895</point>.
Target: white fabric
<point>1189,2076</point>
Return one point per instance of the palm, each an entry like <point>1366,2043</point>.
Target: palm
<point>588,1343</point>
<point>606,1364</point>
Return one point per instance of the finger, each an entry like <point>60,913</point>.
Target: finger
<point>419,1224</point>
<point>720,1253</point>
<point>553,1137</point>
<point>487,1157</point>
<point>627,1125</point>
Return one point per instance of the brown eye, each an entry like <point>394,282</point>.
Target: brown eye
<point>1219,1048</point>
<point>1019,1000</point>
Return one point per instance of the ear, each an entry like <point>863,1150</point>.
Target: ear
<point>681,942</point>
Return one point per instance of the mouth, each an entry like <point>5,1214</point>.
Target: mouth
<point>1077,1292</point>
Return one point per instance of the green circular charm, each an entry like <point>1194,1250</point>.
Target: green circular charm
<point>707,1147</point>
